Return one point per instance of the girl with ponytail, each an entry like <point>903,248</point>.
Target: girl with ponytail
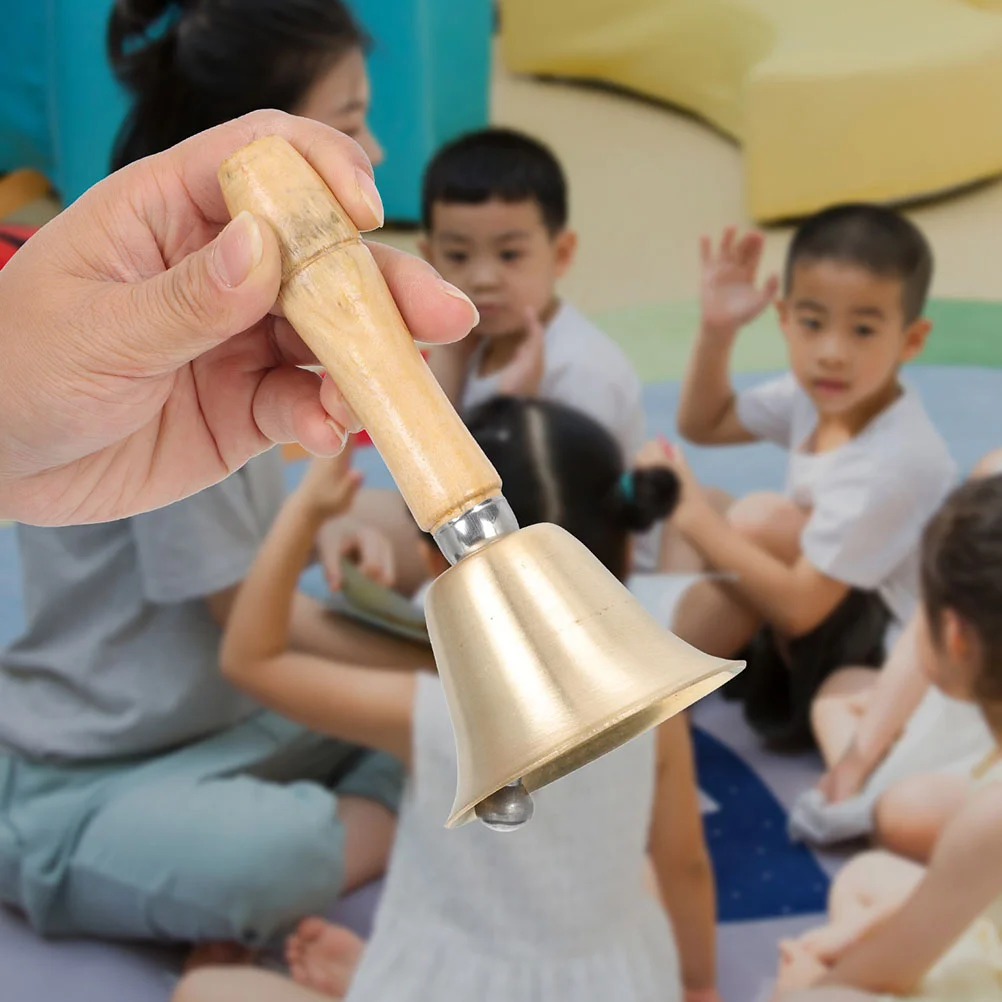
<point>562,909</point>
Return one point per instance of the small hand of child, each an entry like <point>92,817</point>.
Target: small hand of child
<point>730,298</point>
<point>661,453</point>
<point>798,967</point>
<point>846,778</point>
<point>365,546</point>
<point>522,376</point>
<point>329,485</point>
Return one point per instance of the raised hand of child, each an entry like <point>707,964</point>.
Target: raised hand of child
<point>522,376</point>
<point>329,485</point>
<point>730,297</point>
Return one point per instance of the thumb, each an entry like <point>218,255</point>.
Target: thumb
<point>220,290</point>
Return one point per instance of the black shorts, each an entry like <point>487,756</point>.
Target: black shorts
<point>777,692</point>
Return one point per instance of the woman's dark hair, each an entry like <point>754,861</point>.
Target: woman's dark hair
<point>962,571</point>
<point>560,466</point>
<point>192,64</point>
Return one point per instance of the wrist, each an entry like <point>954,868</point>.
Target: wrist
<point>719,332</point>
<point>692,514</point>
<point>307,510</point>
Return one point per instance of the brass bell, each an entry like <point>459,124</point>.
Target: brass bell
<point>547,660</point>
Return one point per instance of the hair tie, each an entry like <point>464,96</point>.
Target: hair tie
<point>626,487</point>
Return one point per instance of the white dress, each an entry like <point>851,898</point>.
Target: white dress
<point>557,911</point>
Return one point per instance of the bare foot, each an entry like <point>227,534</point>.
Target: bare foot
<point>218,955</point>
<point>323,956</point>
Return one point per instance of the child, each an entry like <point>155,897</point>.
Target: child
<point>899,930</point>
<point>494,209</point>
<point>495,215</point>
<point>560,909</point>
<point>820,572</point>
<point>896,749</point>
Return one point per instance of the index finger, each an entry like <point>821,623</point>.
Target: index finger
<point>337,158</point>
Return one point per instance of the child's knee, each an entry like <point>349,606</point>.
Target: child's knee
<point>770,520</point>
<point>988,465</point>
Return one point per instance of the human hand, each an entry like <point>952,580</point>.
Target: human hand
<point>729,296</point>
<point>523,374</point>
<point>660,453</point>
<point>142,357</point>
<point>365,546</point>
<point>846,778</point>
<point>798,967</point>
<point>329,485</point>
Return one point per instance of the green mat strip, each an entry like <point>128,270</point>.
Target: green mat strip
<point>658,337</point>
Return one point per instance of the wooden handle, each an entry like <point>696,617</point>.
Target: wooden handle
<point>334,295</point>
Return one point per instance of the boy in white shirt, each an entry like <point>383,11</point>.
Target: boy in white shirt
<point>495,216</point>
<point>820,572</point>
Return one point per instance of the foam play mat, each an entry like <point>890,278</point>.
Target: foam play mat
<point>860,99</point>
<point>767,888</point>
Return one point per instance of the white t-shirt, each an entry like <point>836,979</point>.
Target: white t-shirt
<point>585,369</point>
<point>869,499</point>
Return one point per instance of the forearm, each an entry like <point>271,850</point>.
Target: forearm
<point>315,629</point>
<point>361,705</point>
<point>258,625</point>
<point>707,395</point>
<point>765,584</point>
<point>689,897</point>
<point>898,691</point>
<point>867,963</point>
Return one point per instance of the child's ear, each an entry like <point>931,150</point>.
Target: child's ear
<point>565,247</point>
<point>424,247</point>
<point>915,337</point>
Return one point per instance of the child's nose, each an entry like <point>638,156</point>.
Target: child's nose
<point>484,273</point>
<point>831,348</point>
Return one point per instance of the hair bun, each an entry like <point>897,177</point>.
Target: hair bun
<point>652,496</point>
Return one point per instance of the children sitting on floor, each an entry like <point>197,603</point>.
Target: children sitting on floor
<point>816,575</point>
<point>495,215</point>
<point>560,910</point>
<point>897,929</point>
<point>895,747</point>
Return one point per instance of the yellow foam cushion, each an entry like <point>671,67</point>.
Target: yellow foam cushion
<point>831,99</point>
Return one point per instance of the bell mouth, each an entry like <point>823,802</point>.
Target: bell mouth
<point>612,732</point>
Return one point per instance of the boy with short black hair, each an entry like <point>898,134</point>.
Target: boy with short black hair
<point>820,572</point>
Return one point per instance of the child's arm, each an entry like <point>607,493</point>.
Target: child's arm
<point>370,706</point>
<point>707,411</point>
<point>793,599</point>
<point>898,690</point>
<point>964,878</point>
<point>450,365</point>
<point>681,861</point>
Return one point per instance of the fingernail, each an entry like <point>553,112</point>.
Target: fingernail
<point>369,194</point>
<point>339,431</point>
<point>238,250</point>
<point>450,290</point>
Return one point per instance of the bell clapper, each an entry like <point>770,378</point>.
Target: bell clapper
<point>507,809</point>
